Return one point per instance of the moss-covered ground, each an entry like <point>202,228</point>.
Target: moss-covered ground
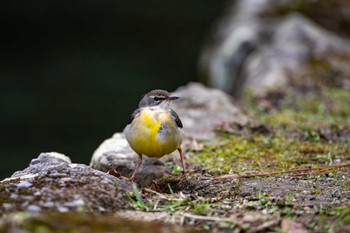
<point>290,129</point>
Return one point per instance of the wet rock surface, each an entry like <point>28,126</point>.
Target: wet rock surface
<point>52,183</point>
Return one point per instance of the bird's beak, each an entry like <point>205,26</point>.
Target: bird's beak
<point>173,97</point>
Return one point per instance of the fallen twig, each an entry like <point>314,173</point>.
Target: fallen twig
<point>299,172</point>
<point>207,218</point>
<point>264,226</point>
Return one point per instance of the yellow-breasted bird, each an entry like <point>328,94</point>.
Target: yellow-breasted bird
<point>155,129</point>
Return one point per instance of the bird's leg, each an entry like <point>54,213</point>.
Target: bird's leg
<point>184,173</point>
<point>136,169</point>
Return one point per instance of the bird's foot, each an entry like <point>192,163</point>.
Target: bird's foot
<point>129,179</point>
<point>183,178</point>
<point>156,187</point>
<point>113,172</point>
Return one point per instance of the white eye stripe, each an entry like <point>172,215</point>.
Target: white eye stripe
<point>157,98</point>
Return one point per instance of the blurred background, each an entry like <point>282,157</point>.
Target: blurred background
<point>72,72</point>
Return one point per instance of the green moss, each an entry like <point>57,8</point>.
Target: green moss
<point>260,153</point>
<point>304,130</point>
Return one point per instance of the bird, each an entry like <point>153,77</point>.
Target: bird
<point>154,128</point>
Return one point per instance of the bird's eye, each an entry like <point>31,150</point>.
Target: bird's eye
<point>159,98</point>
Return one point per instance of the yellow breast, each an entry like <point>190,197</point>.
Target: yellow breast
<point>153,133</point>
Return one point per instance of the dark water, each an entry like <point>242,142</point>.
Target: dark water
<point>71,73</point>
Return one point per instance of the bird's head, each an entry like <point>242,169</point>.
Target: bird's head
<point>157,97</point>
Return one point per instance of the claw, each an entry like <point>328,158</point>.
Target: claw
<point>113,172</point>
<point>129,179</point>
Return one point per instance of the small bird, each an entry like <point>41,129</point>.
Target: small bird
<point>154,128</point>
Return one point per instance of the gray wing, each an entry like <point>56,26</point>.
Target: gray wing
<point>176,118</point>
<point>133,115</point>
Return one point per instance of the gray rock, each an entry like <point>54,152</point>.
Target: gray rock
<point>76,203</point>
<point>255,46</point>
<point>202,109</point>
<point>115,153</point>
<point>24,184</point>
<point>62,209</point>
<point>7,206</point>
<point>48,204</point>
<point>276,65</point>
<point>34,208</point>
<point>53,183</point>
<point>49,161</point>
<point>236,36</point>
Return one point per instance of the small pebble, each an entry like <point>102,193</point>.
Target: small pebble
<point>34,208</point>
<point>56,174</point>
<point>37,193</point>
<point>337,161</point>
<point>62,209</point>
<point>300,212</point>
<point>13,196</point>
<point>335,194</point>
<point>24,184</point>
<point>25,204</point>
<point>61,183</point>
<point>27,197</point>
<point>48,204</point>
<point>66,179</point>
<point>226,207</point>
<point>7,206</point>
<point>75,203</point>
